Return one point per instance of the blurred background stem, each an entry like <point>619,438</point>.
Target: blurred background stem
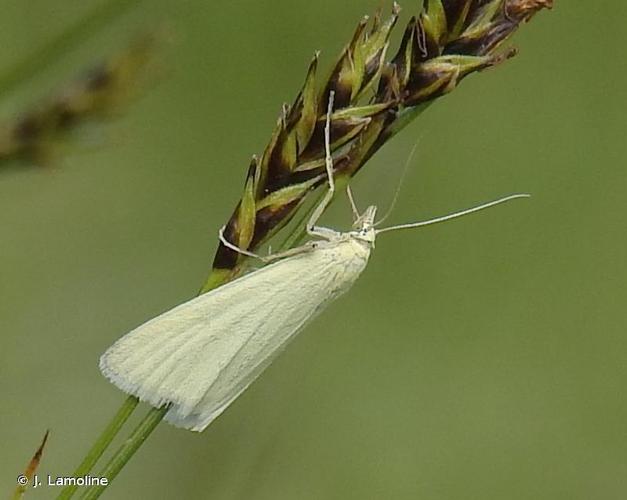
<point>52,50</point>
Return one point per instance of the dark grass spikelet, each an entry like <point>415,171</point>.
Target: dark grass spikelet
<point>374,100</point>
<point>99,92</point>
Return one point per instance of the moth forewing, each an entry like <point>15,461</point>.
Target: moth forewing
<point>201,355</point>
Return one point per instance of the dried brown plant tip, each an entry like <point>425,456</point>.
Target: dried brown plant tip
<point>375,99</point>
<point>99,92</point>
<point>23,480</point>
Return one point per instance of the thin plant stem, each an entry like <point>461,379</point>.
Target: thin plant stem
<point>101,444</point>
<point>50,52</point>
<point>127,450</point>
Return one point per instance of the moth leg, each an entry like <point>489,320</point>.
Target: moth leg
<point>312,229</point>
<point>307,247</point>
<point>349,193</point>
<point>234,247</point>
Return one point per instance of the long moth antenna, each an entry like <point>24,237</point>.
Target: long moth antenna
<point>454,215</point>
<point>397,192</point>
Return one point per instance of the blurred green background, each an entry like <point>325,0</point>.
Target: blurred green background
<point>481,359</point>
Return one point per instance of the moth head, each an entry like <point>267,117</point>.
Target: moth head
<point>363,227</point>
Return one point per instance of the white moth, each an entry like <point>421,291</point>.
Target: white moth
<point>200,356</point>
